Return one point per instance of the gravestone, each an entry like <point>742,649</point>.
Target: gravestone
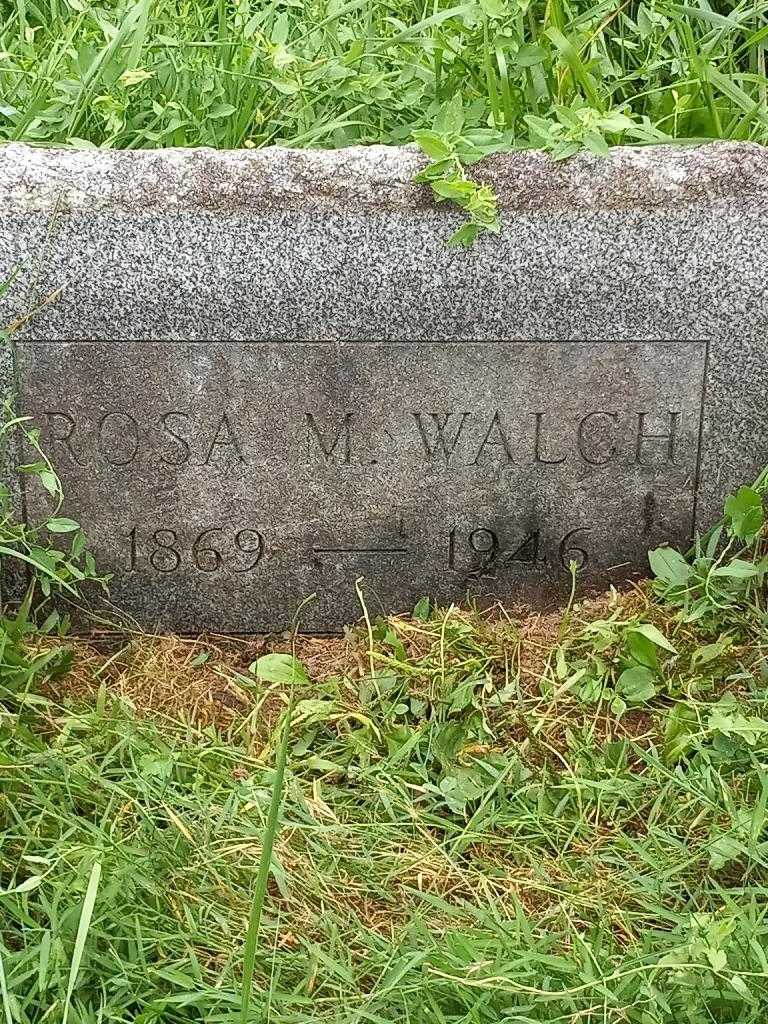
<point>263,375</point>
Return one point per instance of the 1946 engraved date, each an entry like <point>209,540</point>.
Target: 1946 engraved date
<point>212,549</point>
<point>489,553</point>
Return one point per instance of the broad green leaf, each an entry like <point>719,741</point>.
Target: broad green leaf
<point>280,28</point>
<point>717,958</point>
<point>642,650</point>
<point>636,684</point>
<point>49,481</point>
<point>449,787</point>
<point>220,110</point>
<point>465,235</point>
<point>681,728</point>
<point>529,55</point>
<point>737,569</point>
<point>616,122</point>
<point>709,652</point>
<point>596,144</point>
<point>62,525</point>
<point>744,513</point>
<point>669,566</point>
<point>285,87</point>
<point>495,8</point>
<point>457,190</point>
<point>723,851</point>
<point>740,986</point>
<point>433,145</point>
<point>314,709</point>
<point>279,668</point>
<point>652,633</point>
<point>750,729</point>
<point>450,117</point>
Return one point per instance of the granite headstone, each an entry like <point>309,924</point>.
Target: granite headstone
<point>262,375</point>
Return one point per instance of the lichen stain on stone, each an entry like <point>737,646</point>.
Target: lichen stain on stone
<point>368,177</point>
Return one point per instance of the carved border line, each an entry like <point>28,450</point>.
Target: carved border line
<point>339,342</point>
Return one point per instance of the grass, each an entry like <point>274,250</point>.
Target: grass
<point>332,73</point>
<point>466,835</point>
<point>450,817</point>
<point>467,818</point>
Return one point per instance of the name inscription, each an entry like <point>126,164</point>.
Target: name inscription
<point>597,437</point>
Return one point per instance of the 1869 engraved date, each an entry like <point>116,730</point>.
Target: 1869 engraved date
<point>212,550</point>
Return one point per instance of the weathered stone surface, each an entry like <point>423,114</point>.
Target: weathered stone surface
<point>243,365</point>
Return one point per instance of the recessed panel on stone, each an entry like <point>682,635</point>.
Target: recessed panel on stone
<point>224,483</point>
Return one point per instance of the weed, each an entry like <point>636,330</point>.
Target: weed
<point>38,570</point>
<point>450,151</point>
<point>721,581</point>
<point>53,569</point>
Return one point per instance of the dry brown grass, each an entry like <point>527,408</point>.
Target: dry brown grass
<point>203,680</point>
<point>206,680</point>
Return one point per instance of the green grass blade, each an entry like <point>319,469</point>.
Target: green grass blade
<point>737,96</point>
<point>4,991</point>
<point>431,22</point>
<point>82,934</point>
<point>139,36</point>
<point>270,834</point>
<point>570,55</point>
<point>100,65</point>
<point>13,553</point>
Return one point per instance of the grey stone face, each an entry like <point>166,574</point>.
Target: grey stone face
<point>263,375</point>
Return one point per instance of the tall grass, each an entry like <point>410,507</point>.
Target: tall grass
<point>332,73</point>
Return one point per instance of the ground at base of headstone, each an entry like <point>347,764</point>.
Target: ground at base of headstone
<point>484,815</point>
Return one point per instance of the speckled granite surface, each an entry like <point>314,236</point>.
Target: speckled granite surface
<point>295,339</point>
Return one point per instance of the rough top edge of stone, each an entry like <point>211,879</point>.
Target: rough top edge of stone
<point>167,180</point>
